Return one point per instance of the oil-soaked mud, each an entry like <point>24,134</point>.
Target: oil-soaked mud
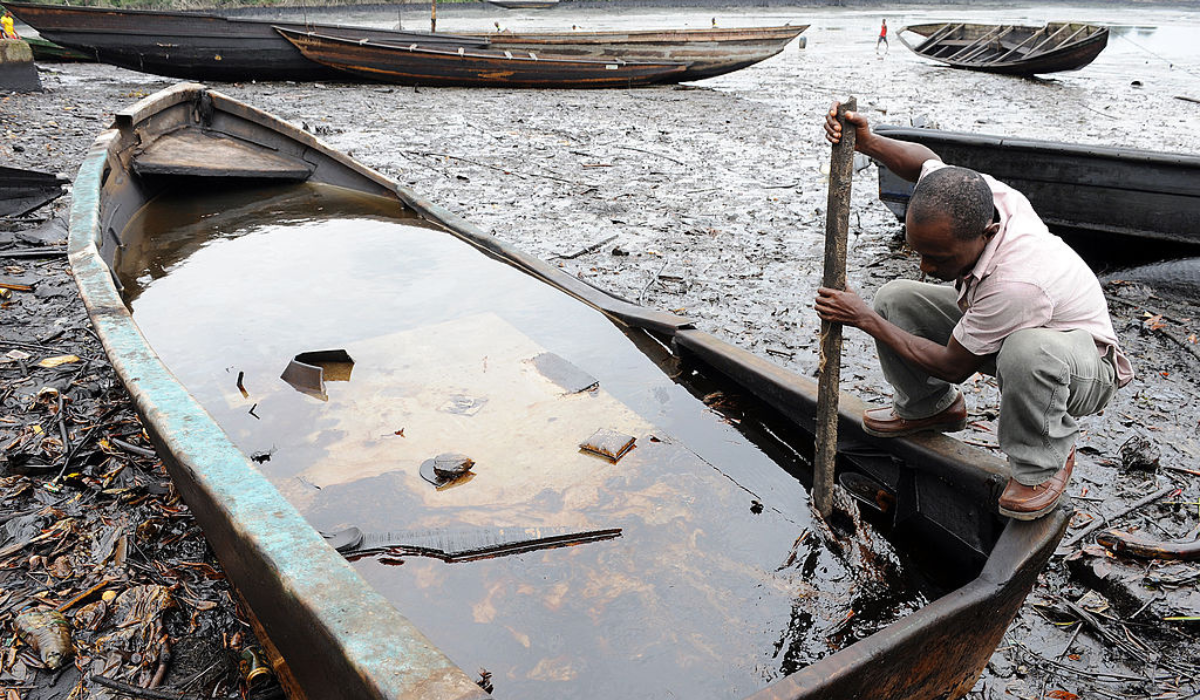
<point>708,199</point>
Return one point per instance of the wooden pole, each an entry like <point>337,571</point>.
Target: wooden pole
<point>837,224</point>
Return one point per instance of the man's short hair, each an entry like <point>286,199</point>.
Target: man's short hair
<point>958,194</point>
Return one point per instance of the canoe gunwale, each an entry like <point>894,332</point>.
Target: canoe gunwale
<point>342,639</point>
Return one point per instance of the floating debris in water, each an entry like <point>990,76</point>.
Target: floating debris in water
<point>565,374</point>
<point>446,469</point>
<point>608,444</point>
<point>463,405</point>
<point>308,371</point>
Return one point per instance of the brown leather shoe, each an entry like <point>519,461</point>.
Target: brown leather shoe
<point>883,422</point>
<point>1023,502</point>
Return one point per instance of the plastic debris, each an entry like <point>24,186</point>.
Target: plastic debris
<point>49,634</point>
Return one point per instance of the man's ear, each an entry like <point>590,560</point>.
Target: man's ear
<point>991,230</point>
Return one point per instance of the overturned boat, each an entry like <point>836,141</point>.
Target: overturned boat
<point>1008,48</point>
<point>578,494</point>
<point>422,66</point>
<point>1135,194</point>
<point>201,46</point>
<point>707,52</point>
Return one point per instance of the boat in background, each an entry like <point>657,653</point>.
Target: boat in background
<point>1009,48</point>
<point>415,65</point>
<point>707,51</point>
<point>1147,195</point>
<point>23,191</point>
<point>340,638</point>
<point>523,4</point>
<point>200,46</point>
<point>49,52</point>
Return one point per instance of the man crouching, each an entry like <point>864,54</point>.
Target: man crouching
<point>1023,307</point>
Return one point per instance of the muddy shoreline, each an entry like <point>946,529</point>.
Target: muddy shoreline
<point>715,195</point>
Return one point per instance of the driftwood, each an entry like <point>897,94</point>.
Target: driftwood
<point>837,224</point>
<point>1101,522</point>
<point>1129,544</point>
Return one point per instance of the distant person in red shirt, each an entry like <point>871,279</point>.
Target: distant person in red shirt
<point>882,38</point>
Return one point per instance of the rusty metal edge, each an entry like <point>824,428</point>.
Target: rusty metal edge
<point>341,638</point>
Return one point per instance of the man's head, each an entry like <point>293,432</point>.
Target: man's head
<point>949,221</point>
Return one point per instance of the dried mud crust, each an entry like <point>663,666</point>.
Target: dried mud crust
<point>708,200</point>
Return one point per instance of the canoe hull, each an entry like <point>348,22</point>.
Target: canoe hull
<point>197,46</point>
<point>342,640</point>
<point>1128,192</point>
<point>416,66</point>
<point>710,52</point>
<point>1010,50</point>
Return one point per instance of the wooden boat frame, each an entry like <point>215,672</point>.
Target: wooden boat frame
<point>1056,47</point>
<point>1074,188</point>
<point>708,51</point>
<point>200,46</point>
<point>341,639</point>
<point>424,66</point>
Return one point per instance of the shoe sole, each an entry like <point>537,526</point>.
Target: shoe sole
<point>1029,515</point>
<point>943,428</point>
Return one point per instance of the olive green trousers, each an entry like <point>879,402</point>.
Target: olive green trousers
<point>1047,378</point>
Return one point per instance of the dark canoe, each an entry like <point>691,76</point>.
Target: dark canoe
<point>424,66</point>
<point>709,51</point>
<point>342,639</point>
<point>22,191</point>
<point>1007,48</point>
<point>50,52</point>
<point>199,46</point>
<point>1133,193</point>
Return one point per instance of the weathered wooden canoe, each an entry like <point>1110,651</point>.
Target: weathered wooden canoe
<point>709,51</point>
<point>1008,48</point>
<point>419,65</point>
<point>198,46</point>
<point>1134,193</point>
<point>22,191</point>
<point>341,638</point>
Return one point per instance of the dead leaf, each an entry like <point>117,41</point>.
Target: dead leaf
<point>51,362</point>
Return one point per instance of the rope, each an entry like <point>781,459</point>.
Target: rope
<point>1168,61</point>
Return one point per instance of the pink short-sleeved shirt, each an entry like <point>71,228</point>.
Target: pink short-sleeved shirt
<point>1027,277</point>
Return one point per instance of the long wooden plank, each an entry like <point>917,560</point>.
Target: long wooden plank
<point>989,45</point>
<point>1020,45</point>
<point>981,40</point>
